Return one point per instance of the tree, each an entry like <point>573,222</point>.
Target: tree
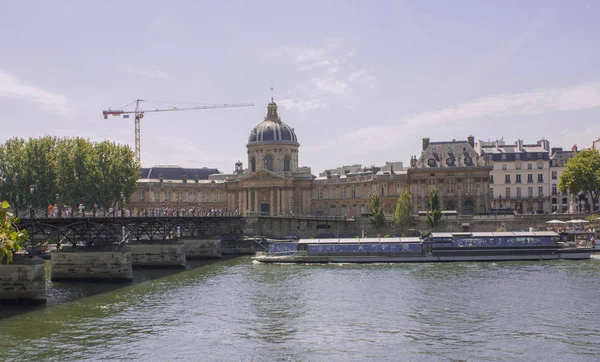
<point>582,174</point>
<point>403,214</point>
<point>11,238</point>
<point>434,214</point>
<point>377,215</point>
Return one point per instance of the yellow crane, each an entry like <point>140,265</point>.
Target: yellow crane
<point>139,114</point>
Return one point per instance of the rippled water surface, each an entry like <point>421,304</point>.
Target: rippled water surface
<point>235,310</point>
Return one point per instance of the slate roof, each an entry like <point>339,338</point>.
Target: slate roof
<point>177,173</point>
<point>449,155</point>
<point>272,128</point>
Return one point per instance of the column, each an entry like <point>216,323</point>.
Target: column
<point>271,203</point>
<point>256,201</point>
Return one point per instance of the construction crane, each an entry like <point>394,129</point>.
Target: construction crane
<point>139,114</point>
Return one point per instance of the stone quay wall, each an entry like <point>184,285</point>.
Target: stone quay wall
<point>83,265</point>
<point>202,249</point>
<point>24,280</point>
<point>275,227</point>
<point>163,254</point>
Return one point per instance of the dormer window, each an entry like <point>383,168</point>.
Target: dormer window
<point>468,161</point>
<point>431,162</point>
<point>450,161</point>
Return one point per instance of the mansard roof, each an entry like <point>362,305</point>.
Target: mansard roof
<point>451,154</point>
<point>177,173</point>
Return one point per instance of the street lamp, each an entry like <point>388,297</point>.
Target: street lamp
<point>31,209</point>
<point>58,203</point>
<point>123,203</point>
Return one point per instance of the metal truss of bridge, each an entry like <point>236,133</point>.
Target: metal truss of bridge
<point>106,231</point>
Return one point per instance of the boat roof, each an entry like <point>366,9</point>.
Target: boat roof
<point>361,241</point>
<point>494,234</point>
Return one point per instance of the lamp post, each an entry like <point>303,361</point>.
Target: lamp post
<point>58,203</point>
<point>122,203</point>
<point>31,209</point>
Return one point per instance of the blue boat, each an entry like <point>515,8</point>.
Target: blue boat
<point>435,247</point>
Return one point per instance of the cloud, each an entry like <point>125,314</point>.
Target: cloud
<point>300,104</point>
<point>13,88</point>
<point>535,102</point>
<point>149,73</point>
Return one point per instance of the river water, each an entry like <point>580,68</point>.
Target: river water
<point>236,310</point>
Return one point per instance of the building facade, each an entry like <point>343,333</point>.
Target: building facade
<point>520,177</point>
<point>456,170</point>
<point>486,177</point>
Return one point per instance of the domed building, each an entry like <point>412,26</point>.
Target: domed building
<point>273,183</point>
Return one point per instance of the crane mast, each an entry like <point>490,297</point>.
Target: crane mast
<point>139,114</point>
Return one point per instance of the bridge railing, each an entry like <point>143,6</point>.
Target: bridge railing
<point>110,213</point>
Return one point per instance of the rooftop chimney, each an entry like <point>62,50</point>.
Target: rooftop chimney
<point>574,148</point>
<point>471,141</point>
<point>425,143</point>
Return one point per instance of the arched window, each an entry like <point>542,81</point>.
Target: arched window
<point>469,207</point>
<point>253,164</point>
<point>268,163</point>
<point>286,163</point>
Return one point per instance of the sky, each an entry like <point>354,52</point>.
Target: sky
<point>361,82</point>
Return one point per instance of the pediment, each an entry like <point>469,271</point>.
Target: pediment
<point>263,175</point>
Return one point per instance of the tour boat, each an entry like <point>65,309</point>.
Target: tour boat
<point>435,247</point>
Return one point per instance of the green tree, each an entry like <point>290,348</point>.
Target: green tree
<point>582,174</point>
<point>434,214</point>
<point>377,215</point>
<point>403,213</point>
<point>11,238</point>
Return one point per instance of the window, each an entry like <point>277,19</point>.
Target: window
<point>253,164</point>
<point>540,165</point>
<point>192,196</point>
<point>141,195</point>
<point>530,166</point>
<point>506,179</point>
<point>167,196</point>
<point>450,186</point>
<point>518,192</point>
<point>319,193</point>
<point>468,161</point>
<point>554,189</point>
<point>529,178</point>
<point>450,161</point>
<point>343,195</point>
<point>469,183</point>
<point>503,157</point>
<point>156,196</point>
<point>518,166</point>
<point>540,177</point>
<point>540,191</point>
<point>518,178</point>
<point>554,176</point>
<point>508,193</point>
<point>504,166</point>
<point>353,190</point>
<point>518,157</point>
<point>491,179</point>
<point>431,162</point>
<point>268,163</point>
<point>286,163</point>
<point>491,193</point>
<point>530,191</point>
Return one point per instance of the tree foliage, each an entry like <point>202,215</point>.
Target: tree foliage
<point>11,238</point>
<point>403,213</point>
<point>75,169</point>
<point>434,214</point>
<point>377,215</point>
<point>582,174</point>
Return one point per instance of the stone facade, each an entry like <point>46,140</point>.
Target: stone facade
<point>158,254</point>
<point>24,280</point>
<point>91,265</point>
<point>456,170</point>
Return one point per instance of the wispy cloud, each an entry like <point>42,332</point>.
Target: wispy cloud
<point>301,105</point>
<point>149,73</point>
<point>535,102</point>
<point>331,76</point>
<point>13,88</point>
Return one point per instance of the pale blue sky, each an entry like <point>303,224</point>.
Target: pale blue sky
<point>360,81</point>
